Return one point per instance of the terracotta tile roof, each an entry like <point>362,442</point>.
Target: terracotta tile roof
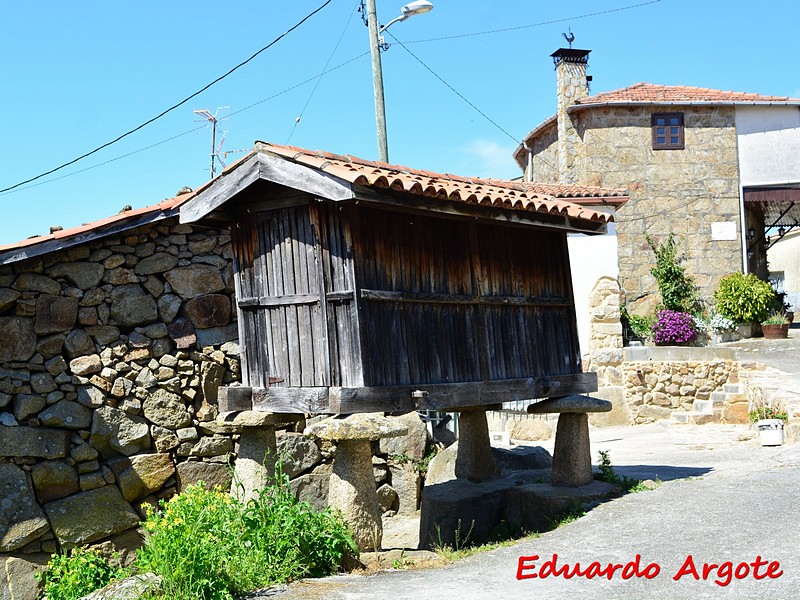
<point>515,195</point>
<point>163,209</point>
<point>649,93</point>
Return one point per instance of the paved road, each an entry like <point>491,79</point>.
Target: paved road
<point>722,500</point>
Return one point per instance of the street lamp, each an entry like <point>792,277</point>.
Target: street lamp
<point>417,7</point>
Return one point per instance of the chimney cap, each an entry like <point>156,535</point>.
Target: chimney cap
<point>570,55</point>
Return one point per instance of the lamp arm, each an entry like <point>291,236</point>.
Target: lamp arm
<point>393,21</point>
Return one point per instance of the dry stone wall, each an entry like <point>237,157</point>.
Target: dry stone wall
<point>655,389</point>
<point>111,356</point>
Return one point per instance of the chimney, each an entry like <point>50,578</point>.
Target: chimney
<point>572,85</point>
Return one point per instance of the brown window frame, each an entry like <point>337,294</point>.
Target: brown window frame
<point>667,135</point>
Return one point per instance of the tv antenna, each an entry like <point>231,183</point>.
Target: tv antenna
<point>212,119</point>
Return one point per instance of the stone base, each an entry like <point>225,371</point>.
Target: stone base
<point>458,512</point>
<point>538,506</point>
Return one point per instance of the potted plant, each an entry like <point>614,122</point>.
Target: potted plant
<point>769,419</point>
<point>745,299</point>
<point>722,329</point>
<point>673,328</point>
<point>776,326</point>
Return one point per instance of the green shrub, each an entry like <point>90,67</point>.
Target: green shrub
<point>744,298</point>
<point>76,573</point>
<point>207,545</point>
<point>677,289</point>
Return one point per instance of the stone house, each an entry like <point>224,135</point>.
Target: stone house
<point>718,169</point>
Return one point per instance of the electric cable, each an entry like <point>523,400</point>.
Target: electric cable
<point>236,112</point>
<point>174,106</point>
<point>543,23</point>
<point>324,69</point>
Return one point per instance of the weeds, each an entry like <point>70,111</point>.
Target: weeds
<point>76,573</point>
<point>207,545</point>
<point>624,484</point>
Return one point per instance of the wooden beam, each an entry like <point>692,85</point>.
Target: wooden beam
<point>426,298</point>
<point>452,397</point>
<point>231,399</point>
<point>291,399</point>
<point>299,177</point>
<point>220,191</point>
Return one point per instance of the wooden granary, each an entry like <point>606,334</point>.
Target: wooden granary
<point>365,286</point>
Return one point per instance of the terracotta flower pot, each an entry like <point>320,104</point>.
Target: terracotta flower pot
<point>775,332</point>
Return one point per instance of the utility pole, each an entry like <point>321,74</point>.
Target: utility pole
<point>377,81</point>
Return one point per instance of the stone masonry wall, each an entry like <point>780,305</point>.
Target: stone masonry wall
<point>678,191</point>
<point>111,357</point>
<point>655,389</point>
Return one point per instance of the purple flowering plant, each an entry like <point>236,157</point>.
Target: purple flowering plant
<point>673,327</point>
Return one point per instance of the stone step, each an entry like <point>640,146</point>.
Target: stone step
<point>733,388</point>
<point>717,397</point>
<point>696,418</point>
<point>736,398</point>
<point>703,407</point>
<point>680,417</point>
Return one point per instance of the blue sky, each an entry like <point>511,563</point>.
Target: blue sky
<point>75,75</point>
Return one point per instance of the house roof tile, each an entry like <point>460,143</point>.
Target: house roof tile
<point>515,195</point>
<point>650,93</point>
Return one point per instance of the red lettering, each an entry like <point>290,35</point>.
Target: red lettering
<point>738,572</point>
<point>610,571</point>
<point>594,570</point>
<point>651,570</point>
<point>526,563</point>
<point>631,569</point>
<point>549,568</point>
<point>687,568</point>
<point>771,570</point>
<point>725,570</point>
<point>756,564</point>
<point>707,568</point>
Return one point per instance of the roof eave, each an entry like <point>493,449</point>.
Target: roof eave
<point>579,107</point>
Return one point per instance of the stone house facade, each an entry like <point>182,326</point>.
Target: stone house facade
<point>702,164</point>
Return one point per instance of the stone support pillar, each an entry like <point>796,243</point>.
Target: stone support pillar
<point>352,483</point>
<point>474,460</point>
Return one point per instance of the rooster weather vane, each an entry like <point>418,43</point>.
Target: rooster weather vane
<point>570,38</point>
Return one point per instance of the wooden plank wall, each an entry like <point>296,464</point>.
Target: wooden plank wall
<point>281,301</point>
<point>445,301</point>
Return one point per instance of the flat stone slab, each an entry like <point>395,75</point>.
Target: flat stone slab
<point>254,418</point>
<point>459,511</point>
<point>366,426</point>
<point>538,506</point>
<point>570,404</point>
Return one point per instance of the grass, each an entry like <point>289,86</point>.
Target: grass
<point>622,483</point>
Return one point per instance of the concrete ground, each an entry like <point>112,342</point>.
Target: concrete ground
<point>722,498</point>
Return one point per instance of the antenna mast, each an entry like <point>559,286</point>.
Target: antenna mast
<point>212,119</point>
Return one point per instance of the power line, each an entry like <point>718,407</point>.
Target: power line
<point>543,23</point>
<point>319,79</point>
<point>236,112</point>
<point>478,110</point>
<point>451,88</point>
<point>174,106</point>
